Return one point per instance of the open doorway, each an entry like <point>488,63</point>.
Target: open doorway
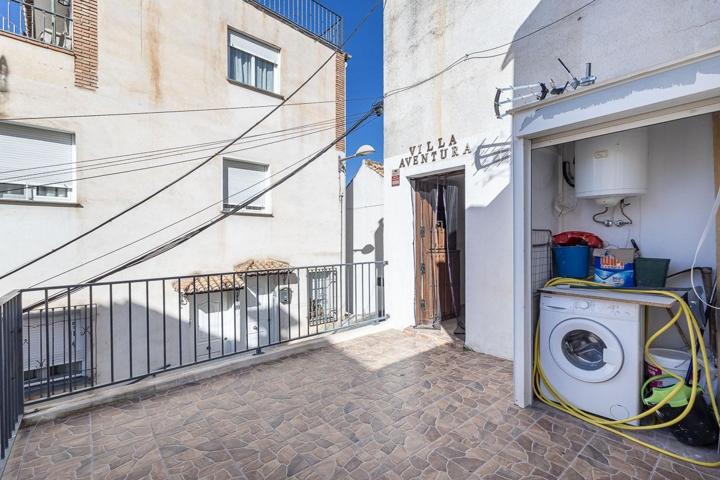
<point>439,209</point>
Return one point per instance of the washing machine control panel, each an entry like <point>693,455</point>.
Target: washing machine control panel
<point>582,305</point>
<point>599,308</point>
<point>617,310</point>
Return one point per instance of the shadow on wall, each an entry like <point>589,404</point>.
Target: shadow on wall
<point>379,242</point>
<point>490,173</point>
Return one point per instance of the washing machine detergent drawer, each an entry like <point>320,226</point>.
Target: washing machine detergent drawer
<point>591,354</point>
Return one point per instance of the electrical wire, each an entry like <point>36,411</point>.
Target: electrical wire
<point>709,224</point>
<point>150,167</point>
<point>476,54</point>
<point>176,222</point>
<point>188,234</point>
<point>114,164</point>
<point>168,149</point>
<point>196,167</point>
<point>168,226</point>
<point>167,246</point>
<point>186,110</point>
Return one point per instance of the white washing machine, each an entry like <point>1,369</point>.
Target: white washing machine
<point>591,352</point>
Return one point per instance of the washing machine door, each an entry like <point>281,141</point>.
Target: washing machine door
<point>586,350</point>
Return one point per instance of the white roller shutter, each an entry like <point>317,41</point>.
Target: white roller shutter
<point>248,45</point>
<point>41,150</point>
<point>35,344</point>
<point>247,178</point>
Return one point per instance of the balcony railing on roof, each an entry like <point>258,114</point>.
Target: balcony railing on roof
<point>310,16</point>
<point>66,339</point>
<point>52,25</point>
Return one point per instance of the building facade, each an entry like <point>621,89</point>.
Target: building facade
<point>441,128</point>
<point>232,63</point>
<point>102,105</point>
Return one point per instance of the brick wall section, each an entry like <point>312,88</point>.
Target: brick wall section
<point>85,43</point>
<point>340,99</point>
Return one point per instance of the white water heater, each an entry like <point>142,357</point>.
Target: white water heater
<point>612,167</point>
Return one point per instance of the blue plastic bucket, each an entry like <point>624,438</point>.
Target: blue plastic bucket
<point>572,262</point>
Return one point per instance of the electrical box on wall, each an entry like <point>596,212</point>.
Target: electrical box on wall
<point>612,167</point>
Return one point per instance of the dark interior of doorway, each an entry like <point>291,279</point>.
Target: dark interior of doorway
<point>439,243</point>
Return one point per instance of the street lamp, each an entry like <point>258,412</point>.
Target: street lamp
<point>362,151</point>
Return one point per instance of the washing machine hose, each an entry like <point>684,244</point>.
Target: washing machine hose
<point>617,426</point>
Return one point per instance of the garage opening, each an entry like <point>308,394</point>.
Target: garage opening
<point>439,208</point>
<point>627,210</point>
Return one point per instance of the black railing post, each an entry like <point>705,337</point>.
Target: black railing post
<point>47,345</point>
<point>11,369</point>
<point>195,314</point>
<point>222,317</point>
<point>92,340</point>
<point>247,322</point>
<point>71,343</point>
<point>147,326</point>
<point>112,339</point>
<point>180,290</point>
<point>130,335</point>
<point>234,296</point>
<point>164,326</point>
<point>209,327</point>
<point>258,349</point>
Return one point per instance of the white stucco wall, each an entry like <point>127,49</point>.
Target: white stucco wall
<point>364,209</point>
<point>364,213</point>
<point>422,38</point>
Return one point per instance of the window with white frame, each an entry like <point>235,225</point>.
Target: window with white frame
<point>37,164</point>
<point>242,181</point>
<point>253,63</point>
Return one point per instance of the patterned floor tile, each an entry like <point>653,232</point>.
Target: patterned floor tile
<point>382,407</point>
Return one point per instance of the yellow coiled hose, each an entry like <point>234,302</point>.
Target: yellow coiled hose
<point>616,426</point>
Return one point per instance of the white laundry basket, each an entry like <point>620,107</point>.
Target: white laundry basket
<point>678,361</point>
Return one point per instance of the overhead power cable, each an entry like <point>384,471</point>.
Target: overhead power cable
<point>196,230</point>
<point>161,165</point>
<point>180,220</point>
<point>477,54</point>
<point>196,167</point>
<point>186,110</point>
<point>179,240</point>
<point>20,179</point>
<point>170,151</point>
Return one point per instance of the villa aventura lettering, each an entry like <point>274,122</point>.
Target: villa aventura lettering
<point>431,152</point>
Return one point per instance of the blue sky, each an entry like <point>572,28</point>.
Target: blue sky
<point>365,71</point>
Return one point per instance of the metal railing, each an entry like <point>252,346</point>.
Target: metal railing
<point>25,19</point>
<point>81,337</point>
<point>310,16</point>
<point>11,391</point>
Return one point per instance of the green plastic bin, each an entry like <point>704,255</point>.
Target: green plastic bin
<point>651,272</point>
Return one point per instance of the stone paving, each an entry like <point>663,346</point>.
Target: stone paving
<point>385,406</point>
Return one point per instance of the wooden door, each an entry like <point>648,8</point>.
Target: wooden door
<point>434,299</point>
<point>425,276</point>
<point>436,265</point>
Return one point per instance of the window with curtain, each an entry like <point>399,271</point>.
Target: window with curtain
<point>242,181</point>
<point>252,63</point>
